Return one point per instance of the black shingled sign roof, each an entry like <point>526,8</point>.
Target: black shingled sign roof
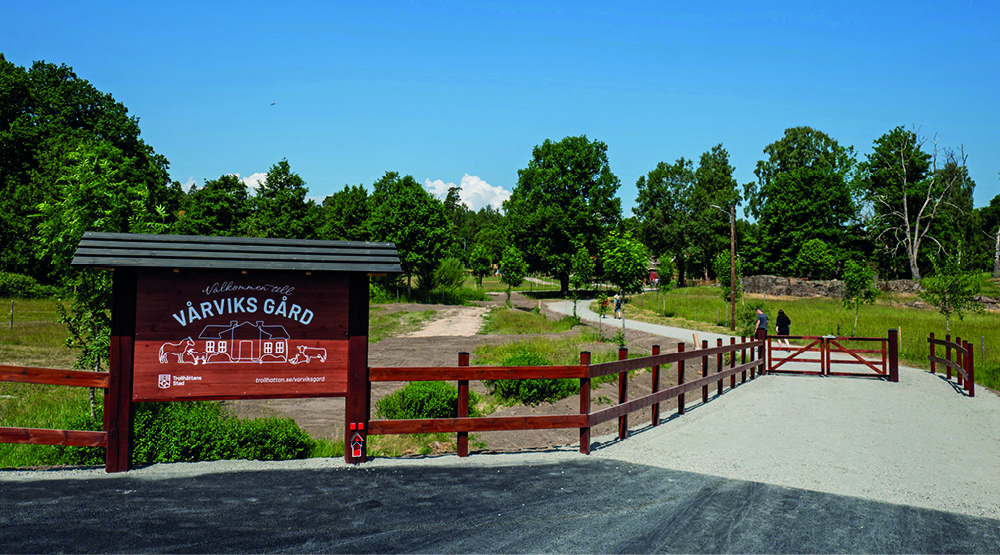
<point>111,250</point>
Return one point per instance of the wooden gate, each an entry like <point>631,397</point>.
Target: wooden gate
<point>835,351</point>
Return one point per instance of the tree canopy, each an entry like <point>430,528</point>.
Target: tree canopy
<point>565,199</point>
<point>802,192</point>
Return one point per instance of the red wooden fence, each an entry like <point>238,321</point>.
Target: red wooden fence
<point>49,376</point>
<point>585,372</point>
<point>964,363</point>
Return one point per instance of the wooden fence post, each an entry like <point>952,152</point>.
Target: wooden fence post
<point>718,364</point>
<point>960,359</point>
<point>894,356</point>
<point>463,406</point>
<point>947,354</point>
<point>656,387</point>
<point>970,369</point>
<point>704,371</point>
<point>743,359</point>
<point>622,395</point>
<point>931,341</point>
<point>732,363</point>
<point>585,403</point>
<point>680,378</point>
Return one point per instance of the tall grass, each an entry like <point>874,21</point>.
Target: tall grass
<point>822,316</point>
<point>511,321</point>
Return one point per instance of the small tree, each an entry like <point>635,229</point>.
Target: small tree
<point>723,271</point>
<point>859,288</point>
<point>583,273</point>
<point>479,263</point>
<point>512,269</point>
<point>951,289</point>
<point>626,263</point>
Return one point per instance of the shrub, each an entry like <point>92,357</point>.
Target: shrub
<point>531,392</point>
<point>194,431</point>
<point>420,400</point>
<point>17,286</point>
<point>450,275</point>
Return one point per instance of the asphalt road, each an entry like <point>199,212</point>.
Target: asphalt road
<point>574,504</point>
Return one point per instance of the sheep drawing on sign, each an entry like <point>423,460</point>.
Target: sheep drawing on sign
<point>306,354</point>
<point>177,349</point>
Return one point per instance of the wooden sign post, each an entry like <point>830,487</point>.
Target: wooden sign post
<point>210,318</point>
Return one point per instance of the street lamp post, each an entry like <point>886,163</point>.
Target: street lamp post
<point>732,263</point>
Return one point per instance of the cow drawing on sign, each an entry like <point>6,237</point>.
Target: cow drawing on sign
<point>198,356</point>
<point>177,349</point>
<point>306,354</point>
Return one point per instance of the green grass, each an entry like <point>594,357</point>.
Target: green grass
<point>494,284</point>
<point>511,321</point>
<point>36,337</point>
<point>822,316</point>
<point>383,324</point>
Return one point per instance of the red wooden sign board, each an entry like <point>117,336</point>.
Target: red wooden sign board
<point>225,335</point>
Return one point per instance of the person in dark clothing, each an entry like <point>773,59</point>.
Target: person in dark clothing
<point>782,326</point>
<point>761,321</point>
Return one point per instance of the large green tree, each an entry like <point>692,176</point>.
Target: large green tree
<point>220,207</point>
<point>565,199</point>
<point>400,210</point>
<point>916,197</point>
<point>802,192</point>
<point>344,215</point>
<point>47,116</point>
<point>279,209</point>
<point>663,213</point>
<point>713,194</point>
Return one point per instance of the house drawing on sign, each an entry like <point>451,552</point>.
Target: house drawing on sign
<point>235,342</point>
<point>243,342</point>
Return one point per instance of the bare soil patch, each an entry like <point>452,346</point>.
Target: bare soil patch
<point>438,344</point>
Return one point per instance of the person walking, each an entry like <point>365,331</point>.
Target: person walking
<point>618,307</point>
<point>761,322</point>
<point>783,321</point>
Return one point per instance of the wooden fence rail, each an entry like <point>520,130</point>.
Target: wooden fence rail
<point>964,363</point>
<point>48,376</point>
<point>751,354</point>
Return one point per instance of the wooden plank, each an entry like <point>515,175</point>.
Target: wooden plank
<point>51,376</point>
<point>432,373</point>
<point>482,424</point>
<point>640,403</point>
<point>38,436</point>
<point>260,253</point>
<point>606,368</point>
<point>946,362</point>
<point>236,264</point>
<point>99,236</point>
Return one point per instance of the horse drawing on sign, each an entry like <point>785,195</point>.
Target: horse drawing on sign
<point>178,349</point>
<point>306,354</point>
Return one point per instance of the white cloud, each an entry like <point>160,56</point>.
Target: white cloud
<point>253,181</point>
<point>191,182</point>
<point>474,193</point>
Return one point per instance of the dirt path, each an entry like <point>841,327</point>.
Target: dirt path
<point>460,321</point>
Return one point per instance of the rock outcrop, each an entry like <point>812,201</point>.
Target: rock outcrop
<point>795,287</point>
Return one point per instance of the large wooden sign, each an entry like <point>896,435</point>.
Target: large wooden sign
<point>206,334</point>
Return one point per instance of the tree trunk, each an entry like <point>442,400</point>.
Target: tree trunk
<point>996,257</point>
<point>564,283</point>
<point>914,269</point>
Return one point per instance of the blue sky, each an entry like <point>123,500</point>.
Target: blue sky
<point>453,91</point>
